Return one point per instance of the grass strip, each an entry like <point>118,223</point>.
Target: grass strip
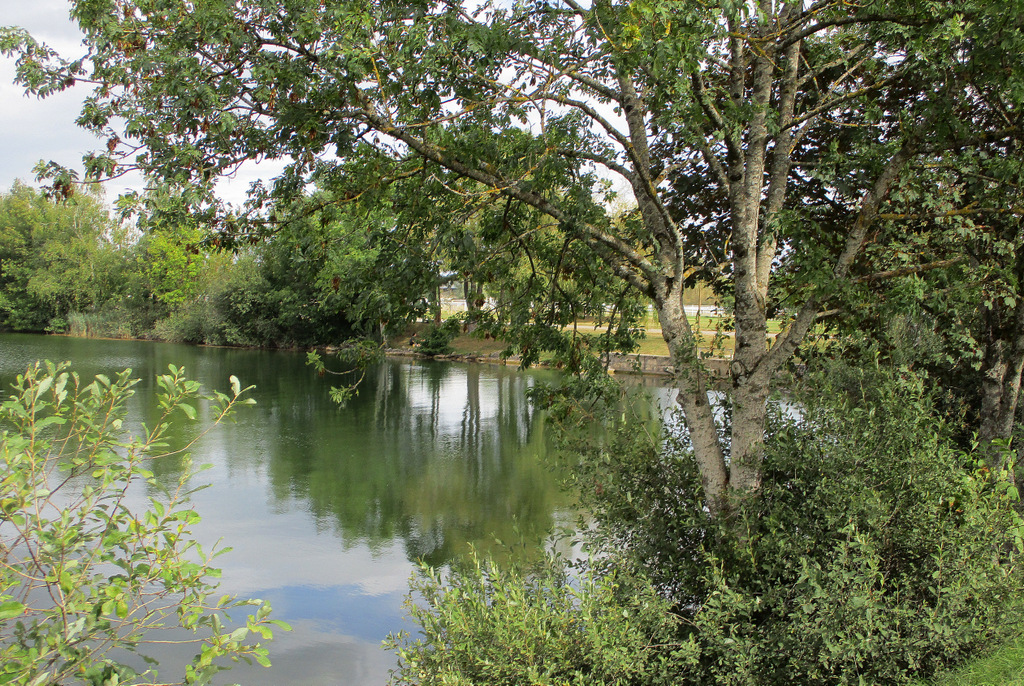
<point>1003,667</point>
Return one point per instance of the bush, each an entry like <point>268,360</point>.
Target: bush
<point>437,339</point>
<point>878,550</point>
<point>194,321</point>
<point>85,578</point>
<point>485,625</point>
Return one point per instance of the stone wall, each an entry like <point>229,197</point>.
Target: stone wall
<point>660,365</point>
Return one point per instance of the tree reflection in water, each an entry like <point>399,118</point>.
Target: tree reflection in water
<point>439,455</point>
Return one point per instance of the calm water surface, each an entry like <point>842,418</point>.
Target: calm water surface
<point>326,509</point>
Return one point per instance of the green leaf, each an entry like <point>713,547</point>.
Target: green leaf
<point>11,609</point>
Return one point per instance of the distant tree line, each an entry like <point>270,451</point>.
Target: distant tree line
<point>68,267</point>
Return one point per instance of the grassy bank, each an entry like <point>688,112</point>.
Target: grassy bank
<point>714,333</point>
<point>1003,667</point>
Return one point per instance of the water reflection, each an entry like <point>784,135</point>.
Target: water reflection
<point>327,509</point>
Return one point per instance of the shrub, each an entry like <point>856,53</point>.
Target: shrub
<point>437,339</point>
<point>57,325</point>
<point>194,321</point>
<point>85,576</point>
<point>878,551</point>
<point>485,625</point>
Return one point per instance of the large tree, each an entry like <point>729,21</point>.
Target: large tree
<point>734,124</point>
<point>56,259</point>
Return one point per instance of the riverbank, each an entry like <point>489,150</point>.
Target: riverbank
<point>653,365</point>
<point>651,359</point>
<point>470,348</point>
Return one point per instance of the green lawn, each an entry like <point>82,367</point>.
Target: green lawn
<point>1004,667</point>
<point>652,343</point>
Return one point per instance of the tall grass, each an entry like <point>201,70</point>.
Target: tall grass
<point>112,324</point>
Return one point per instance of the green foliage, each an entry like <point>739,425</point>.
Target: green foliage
<point>174,264</point>
<point>195,321</point>
<point>354,358</point>
<point>486,625</point>
<point>68,269</point>
<point>56,258</point>
<point>877,550</point>
<point>315,282</point>
<point>97,556</point>
<point>437,339</point>
<point>941,285</point>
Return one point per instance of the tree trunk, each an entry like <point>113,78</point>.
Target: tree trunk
<point>471,292</point>
<point>698,413</point>
<point>1002,366</point>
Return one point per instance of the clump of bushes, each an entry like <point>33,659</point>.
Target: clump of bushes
<point>437,339</point>
<point>507,627</point>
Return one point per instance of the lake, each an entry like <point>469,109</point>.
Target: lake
<point>328,509</point>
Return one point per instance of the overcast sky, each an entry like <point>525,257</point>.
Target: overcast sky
<point>34,129</point>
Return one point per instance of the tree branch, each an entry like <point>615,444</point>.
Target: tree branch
<point>906,271</point>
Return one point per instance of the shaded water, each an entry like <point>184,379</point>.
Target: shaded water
<point>328,509</point>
